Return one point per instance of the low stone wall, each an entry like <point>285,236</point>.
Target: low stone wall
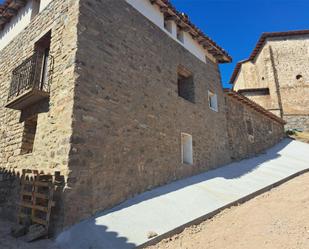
<point>250,131</point>
<point>297,122</point>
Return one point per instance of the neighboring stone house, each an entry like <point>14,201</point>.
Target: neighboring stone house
<point>276,76</point>
<point>116,97</point>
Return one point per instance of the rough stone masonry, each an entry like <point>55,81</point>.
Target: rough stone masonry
<point>112,125</point>
<point>278,64</point>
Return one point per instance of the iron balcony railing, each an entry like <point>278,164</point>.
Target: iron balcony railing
<point>34,73</point>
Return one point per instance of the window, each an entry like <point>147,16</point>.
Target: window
<point>35,8</point>
<point>249,127</point>
<point>213,101</point>
<point>206,58</point>
<point>298,76</point>
<point>269,127</point>
<point>42,48</point>
<point>180,34</point>
<point>185,85</point>
<point>28,135</point>
<point>186,149</point>
<point>168,25</point>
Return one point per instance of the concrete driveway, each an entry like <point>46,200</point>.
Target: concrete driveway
<point>169,208</point>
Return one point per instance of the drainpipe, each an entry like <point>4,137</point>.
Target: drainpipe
<point>272,59</point>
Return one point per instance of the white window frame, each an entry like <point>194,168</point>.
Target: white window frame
<point>250,136</point>
<point>168,26</point>
<point>213,101</point>
<point>180,35</point>
<point>186,149</point>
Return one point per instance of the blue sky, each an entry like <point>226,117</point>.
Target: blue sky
<point>236,25</point>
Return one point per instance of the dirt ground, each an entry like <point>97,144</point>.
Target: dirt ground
<point>278,219</point>
<point>301,136</point>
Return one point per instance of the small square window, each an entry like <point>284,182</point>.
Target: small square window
<point>186,85</point>
<point>28,135</point>
<point>270,127</point>
<point>249,127</point>
<point>180,34</point>
<point>186,149</point>
<point>168,25</point>
<point>213,101</point>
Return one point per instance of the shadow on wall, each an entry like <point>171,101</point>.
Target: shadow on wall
<point>98,236</point>
<point>230,171</point>
<point>10,196</point>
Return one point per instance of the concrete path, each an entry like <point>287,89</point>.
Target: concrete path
<point>175,205</point>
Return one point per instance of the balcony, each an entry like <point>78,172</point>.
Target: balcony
<point>30,81</point>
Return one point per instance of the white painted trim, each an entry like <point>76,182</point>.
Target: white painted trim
<point>213,100</point>
<point>153,13</point>
<point>186,149</point>
<point>18,23</point>
<point>44,4</point>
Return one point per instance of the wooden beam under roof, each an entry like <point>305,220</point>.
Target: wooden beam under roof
<point>10,12</point>
<point>169,17</point>
<point>17,3</point>
<point>3,20</point>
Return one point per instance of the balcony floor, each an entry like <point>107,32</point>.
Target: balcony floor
<point>26,99</point>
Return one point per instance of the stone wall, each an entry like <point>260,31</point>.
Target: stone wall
<point>128,117</point>
<point>259,74</point>
<point>265,133</point>
<point>300,122</point>
<point>52,139</point>
<point>113,124</point>
<point>292,66</point>
<point>283,66</point>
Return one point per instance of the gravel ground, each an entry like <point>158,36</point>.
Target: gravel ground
<point>278,219</point>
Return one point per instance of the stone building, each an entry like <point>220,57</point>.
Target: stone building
<point>117,97</point>
<point>276,76</point>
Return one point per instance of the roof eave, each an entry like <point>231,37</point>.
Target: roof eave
<point>183,20</point>
<point>253,105</point>
<point>9,9</point>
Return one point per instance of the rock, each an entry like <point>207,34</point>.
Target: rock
<point>18,231</point>
<point>36,232</point>
<point>151,235</point>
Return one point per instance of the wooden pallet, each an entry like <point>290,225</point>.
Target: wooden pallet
<point>36,199</point>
